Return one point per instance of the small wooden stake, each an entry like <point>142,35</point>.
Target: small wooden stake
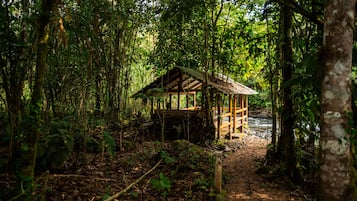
<point>218,174</point>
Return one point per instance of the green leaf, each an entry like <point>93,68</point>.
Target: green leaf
<point>167,158</point>
<point>109,142</point>
<point>156,90</point>
<point>25,147</point>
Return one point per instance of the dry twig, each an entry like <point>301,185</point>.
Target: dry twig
<point>132,184</point>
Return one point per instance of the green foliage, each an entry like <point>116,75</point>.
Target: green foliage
<point>56,144</point>
<point>202,183</point>
<point>134,194</point>
<point>162,185</point>
<point>109,142</point>
<point>107,194</point>
<point>192,157</point>
<point>167,158</point>
<point>156,90</point>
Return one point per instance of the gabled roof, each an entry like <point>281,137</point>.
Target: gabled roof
<point>192,80</point>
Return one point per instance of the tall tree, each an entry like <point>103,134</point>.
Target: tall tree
<point>14,50</point>
<point>31,138</point>
<point>335,169</point>
<point>286,146</point>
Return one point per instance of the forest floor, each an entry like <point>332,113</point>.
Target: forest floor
<point>186,172</point>
<point>244,184</point>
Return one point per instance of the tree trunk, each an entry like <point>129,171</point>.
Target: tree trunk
<point>29,154</point>
<point>13,71</point>
<point>286,146</point>
<point>336,160</point>
<point>209,124</point>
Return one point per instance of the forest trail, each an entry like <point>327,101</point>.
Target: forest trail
<point>243,184</point>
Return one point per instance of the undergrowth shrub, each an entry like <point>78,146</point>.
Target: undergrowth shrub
<point>162,184</point>
<point>109,143</point>
<point>56,143</point>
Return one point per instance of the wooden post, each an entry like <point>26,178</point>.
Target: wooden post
<point>152,104</point>
<point>242,113</point>
<point>230,117</point>
<point>187,99</point>
<point>218,174</point>
<point>234,113</point>
<point>194,100</point>
<point>218,115</point>
<point>179,87</point>
<point>246,104</point>
<point>245,112</point>
<point>170,104</point>
<point>178,100</point>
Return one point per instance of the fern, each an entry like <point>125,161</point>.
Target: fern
<point>163,184</point>
<point>109,142</point>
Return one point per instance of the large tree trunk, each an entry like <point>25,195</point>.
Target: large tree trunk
<point>286,146</point>
<point>335,168</point>
<point>28,156</point>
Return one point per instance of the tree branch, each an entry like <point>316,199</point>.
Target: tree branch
<point>132,184</point>
<point>299,9</point>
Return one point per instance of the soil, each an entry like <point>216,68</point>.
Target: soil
<point>244,184</point>
<point>185,173</point>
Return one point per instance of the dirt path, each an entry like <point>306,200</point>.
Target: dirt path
<point>244,184</point>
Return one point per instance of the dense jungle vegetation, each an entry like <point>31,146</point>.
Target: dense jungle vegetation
<point>68,70</point>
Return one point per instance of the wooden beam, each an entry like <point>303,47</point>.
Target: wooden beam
<point>170,80</point>
<point>197,86</point>
<point>193,84</point>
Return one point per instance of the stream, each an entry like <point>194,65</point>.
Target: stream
<point>260,127</point>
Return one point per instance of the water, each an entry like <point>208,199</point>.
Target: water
<point>260,127</point>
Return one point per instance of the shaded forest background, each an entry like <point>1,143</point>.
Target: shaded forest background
<point>68,70</point>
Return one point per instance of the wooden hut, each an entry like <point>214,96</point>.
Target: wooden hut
<point>176,100</point>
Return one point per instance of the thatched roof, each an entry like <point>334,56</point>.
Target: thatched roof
<point>191,80</point>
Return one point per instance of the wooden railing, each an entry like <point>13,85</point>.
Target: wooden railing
<point>226,122</point>
<point>230,122</point>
